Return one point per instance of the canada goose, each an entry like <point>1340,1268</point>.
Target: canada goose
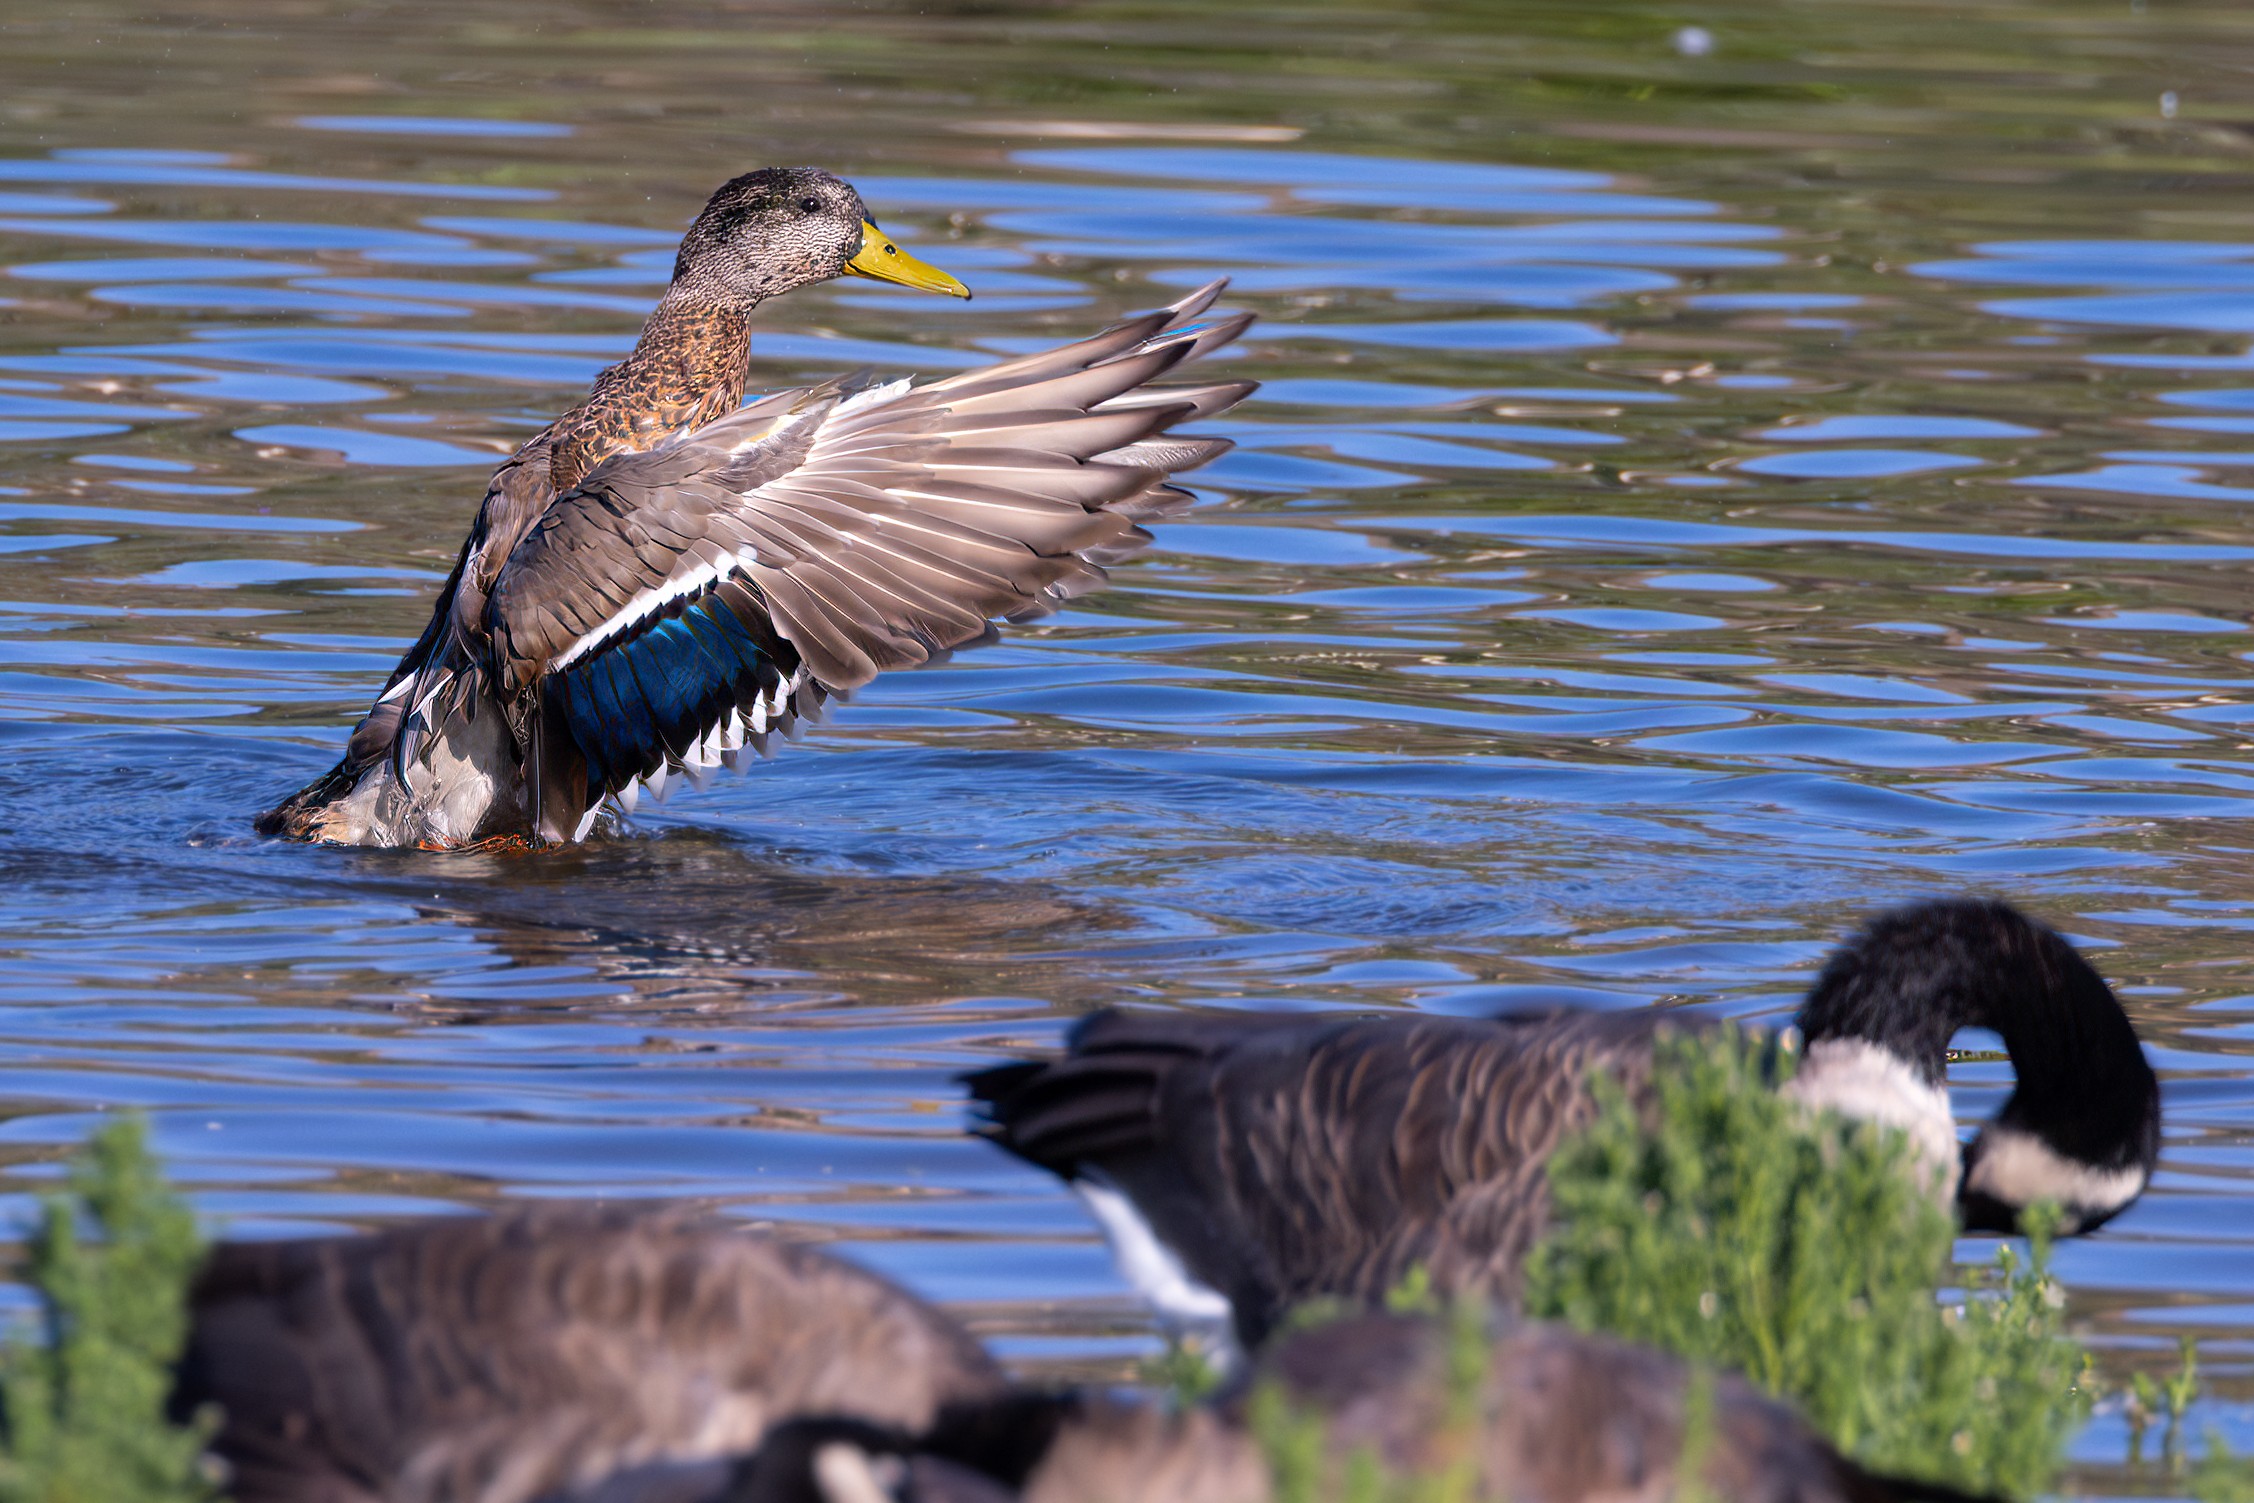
<point>504,1358</point>
<point>1550,1416</point>
<point>558,1354</point>
<point>1242,1164</point>
<point>1559,1416</point>
<point>1068,1447</point>
<point>660,578</point>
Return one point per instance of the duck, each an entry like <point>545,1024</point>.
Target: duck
<point>667,577</point>
<point>567,1352</point>
<point>1242,1164</point>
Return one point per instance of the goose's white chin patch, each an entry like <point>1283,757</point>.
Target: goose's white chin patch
<point>1185,1307</point>
<point>1859,1079</point>
<point>2019,1169</point>
<point>847,1474</point>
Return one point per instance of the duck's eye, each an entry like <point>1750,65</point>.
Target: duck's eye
<point>810,206</point>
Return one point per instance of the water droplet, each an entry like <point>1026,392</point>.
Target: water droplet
<point>1694,41</point>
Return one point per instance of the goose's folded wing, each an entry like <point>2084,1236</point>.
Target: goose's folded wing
<point>1285,1157</point>
<point>1260,1149</point>
<point>546,1345</point>
<point>816,538</point>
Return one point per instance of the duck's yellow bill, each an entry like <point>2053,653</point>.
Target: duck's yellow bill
<point>880,259</point>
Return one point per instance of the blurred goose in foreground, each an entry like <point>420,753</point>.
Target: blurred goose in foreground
<point>541,1350</point>
<point>572,1355</point>
<point>662,578</point>
<point>1241,1164</point>
<point>1548,1416</point>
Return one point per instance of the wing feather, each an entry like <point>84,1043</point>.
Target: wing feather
<point>1072,392</point>
<point>812,539</point>
<point>1206,399</point>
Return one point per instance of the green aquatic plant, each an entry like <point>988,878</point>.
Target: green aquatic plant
<point>1722,1223</point>
<point>82,1396</point>
<point>2144,1399</point>
<point>2221,1475</point>
<point>1184,1373</point>
<point>2139,1402</point>
<point>1414,1294</point>
<point>2183,1387</point>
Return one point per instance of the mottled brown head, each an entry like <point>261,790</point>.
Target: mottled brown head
<point>779,228</point>
<point>768,232</point>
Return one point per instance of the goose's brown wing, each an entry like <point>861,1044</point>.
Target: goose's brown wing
<point>1288,1157</point>
<point>502,1359</point>
<point>684,599</point>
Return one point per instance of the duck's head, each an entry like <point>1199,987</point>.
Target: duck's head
<point>780,228</point>
<point>2081,1129</point>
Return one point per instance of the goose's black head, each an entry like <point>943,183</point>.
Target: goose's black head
<point>780,228</point>
<point>2082,1127</point>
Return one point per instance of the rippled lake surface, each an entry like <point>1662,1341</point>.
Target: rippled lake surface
<point>1706,484</point>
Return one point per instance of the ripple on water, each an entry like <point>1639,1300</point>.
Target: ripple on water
<point>1620,582</point>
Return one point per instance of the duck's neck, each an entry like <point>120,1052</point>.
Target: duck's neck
<point>2082,1124</point>
<point>687,368</point>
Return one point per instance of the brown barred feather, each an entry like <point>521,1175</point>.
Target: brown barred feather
<point>507,1358</point>
<point>1288,1158</point>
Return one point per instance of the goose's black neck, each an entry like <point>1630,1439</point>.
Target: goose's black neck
<point>1912,978</point>
<point>1908,982</point>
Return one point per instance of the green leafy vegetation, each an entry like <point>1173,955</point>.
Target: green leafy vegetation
<point>2183,1386</point>
<point>2170,1399</point>
<point>1725,1225</point>
<point>82,1398</point>
<point>1184,1373</point>
<point>2221,1476</point>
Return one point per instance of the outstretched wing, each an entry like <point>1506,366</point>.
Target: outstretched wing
<point>684,601</point>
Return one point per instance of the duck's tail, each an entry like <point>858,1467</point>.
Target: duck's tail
<point>435,761</point>
<point>317,811</point>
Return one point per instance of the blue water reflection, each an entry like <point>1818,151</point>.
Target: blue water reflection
<point>1614,590</point>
